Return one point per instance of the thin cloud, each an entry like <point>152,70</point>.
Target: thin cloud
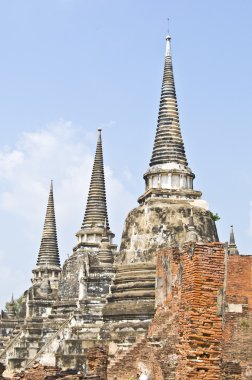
<point>64,153</point>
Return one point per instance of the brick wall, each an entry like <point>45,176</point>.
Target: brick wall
<point>97,362</point>
<point>200,312</point>
<point>185,336</point>
<point>202,326</point>
<point>237,321</point>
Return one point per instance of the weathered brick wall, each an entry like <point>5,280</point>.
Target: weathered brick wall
<point>97,358</point>
<point>200,312</point>
<point>184,338</point>
<point>190,290</point>
<point>202,328</point>
<point>237,321</point>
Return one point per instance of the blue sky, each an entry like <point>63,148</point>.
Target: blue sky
<point>69,67</point>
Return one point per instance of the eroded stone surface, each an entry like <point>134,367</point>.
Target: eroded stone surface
<point>159,224</point>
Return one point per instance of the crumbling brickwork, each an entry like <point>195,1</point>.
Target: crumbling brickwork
<point>191,293</point>
<point>202,328</point>
<point>200,312</point>
<point>185,336</point>
<point>97,362</point>
<point>237,333</point>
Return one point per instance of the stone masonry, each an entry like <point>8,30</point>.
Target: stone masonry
<point>172,304</point>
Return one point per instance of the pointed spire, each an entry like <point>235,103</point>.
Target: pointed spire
<point>49,252</point>
<point>168,145</point>
<point>96,209</point>
<point>232,247</point>
<point>168,46</point>
<point>168,175</point>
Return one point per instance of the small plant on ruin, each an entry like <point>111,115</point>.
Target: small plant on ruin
<point>215,217</point>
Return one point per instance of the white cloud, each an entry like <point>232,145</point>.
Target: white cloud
<point>64,153</point>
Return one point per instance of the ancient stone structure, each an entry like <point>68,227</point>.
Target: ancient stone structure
<point>172,304</point>
<point>63,307</point>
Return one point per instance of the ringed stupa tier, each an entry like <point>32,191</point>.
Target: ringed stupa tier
<point>168,174</point>
<point>95,220</point>
<point>48,261</point>
<point>168,145</point>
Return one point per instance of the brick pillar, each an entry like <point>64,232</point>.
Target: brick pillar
<point>200,317</point>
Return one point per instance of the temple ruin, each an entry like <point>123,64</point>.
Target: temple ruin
<point>172,303</point>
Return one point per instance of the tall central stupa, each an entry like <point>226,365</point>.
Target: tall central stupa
<point>170,212</point>
<point>162,217</point>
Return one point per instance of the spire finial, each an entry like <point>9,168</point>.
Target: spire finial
<point>168,46</point>
<point>232,238</point>
<point>168,26</point>
<point>168,40</point>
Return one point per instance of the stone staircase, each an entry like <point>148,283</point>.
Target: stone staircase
<point>52,337</point>
<point>125,358</point>
<point>25,343</point>
<point>158,345</point>
<point>67,347</point>
<point>74,349</point>
<point>58,340</point>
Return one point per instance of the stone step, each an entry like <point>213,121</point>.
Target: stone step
<point>128,351</point>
